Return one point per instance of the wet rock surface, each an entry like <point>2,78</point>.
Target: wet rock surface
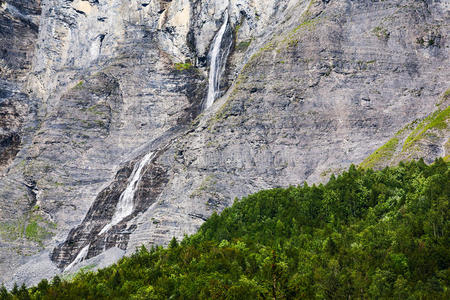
<point>309,88</point>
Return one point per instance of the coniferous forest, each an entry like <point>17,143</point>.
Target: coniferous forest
<point>364,234</point>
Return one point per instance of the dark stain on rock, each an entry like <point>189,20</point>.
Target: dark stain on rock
<point>9,147</point>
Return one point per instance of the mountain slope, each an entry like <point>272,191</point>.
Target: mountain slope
<point>428,138</point>
<point>308,88</point>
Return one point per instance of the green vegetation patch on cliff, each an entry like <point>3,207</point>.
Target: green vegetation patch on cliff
<point>243,46</point>
<point>79,85</point>
<point>182,66</point>
<point>437,120</point>
<point>363,235</point>
<point>32,227</point>
<point>292,38</point>
<point>445,97</point>
<point>383,154</point>
<point>381,33</point>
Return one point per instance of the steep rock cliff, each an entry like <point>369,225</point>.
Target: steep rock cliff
<point>309,87</point>
<point>18,32</point>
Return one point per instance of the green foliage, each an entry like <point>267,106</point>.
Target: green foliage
<point>446,95</point>
<point>4,293</point>
<point>364,234</point>
<point>437,120</point>
<point>444,98</point>
<point>381,33</point>
<point>243,46</point>
<point>383,153</point>
<point>207,184</point>
<point>183,66</point>
<point>79,85</point>
<point>32,227</point>
<point>12,230</point>
<point>94,109</point>
<point>33,231</point>
<point>426,43</point>
<point>308,25</point>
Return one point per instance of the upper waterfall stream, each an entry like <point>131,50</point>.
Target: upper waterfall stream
<point>218,56</point>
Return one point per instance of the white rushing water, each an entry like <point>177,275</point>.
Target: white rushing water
<point>79,258</point>
<point>125,205</point>
<point>215,68</point>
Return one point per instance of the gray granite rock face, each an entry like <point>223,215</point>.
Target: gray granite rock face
<point>309,88</point>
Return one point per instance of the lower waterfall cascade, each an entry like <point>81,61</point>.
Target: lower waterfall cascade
<point>125,205</point>
<point>80,257</point>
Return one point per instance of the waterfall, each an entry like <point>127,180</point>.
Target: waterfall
<point>79,257</point>
<point>218,57</point>
<point>125,205</point>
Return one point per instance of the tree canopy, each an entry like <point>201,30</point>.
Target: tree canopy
<point>364,234</point>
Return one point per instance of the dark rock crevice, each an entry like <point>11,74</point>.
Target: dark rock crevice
<point>9,147</point>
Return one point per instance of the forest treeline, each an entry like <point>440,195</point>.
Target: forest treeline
<point>364,234</point>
